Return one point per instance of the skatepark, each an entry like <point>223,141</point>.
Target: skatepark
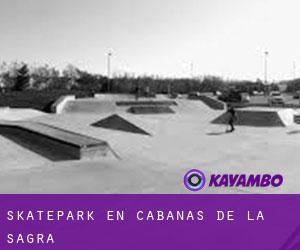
<point>116,144</point>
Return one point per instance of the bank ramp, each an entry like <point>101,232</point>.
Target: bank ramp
<point>54,143</point>
<point>260,117</point>
<point>210,101</point>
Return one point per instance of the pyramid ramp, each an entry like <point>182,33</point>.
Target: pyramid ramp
<point>116,122</point>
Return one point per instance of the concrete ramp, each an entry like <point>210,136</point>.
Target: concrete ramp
<point>54,143</point>
<point>254,118</point>
<point>116,122</point>
<point>211,102</point>
<point>90,106</point>
<point>288,116</point>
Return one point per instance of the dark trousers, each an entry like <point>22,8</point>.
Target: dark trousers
<point>230,123</point>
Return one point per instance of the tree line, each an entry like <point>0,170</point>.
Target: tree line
<point>18,76</point>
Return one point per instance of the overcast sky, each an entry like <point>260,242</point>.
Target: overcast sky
<point>155,37</point>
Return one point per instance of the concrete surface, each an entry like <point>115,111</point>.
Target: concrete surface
<point>155,164</point>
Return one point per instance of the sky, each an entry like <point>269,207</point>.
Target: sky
<point>169,38</point>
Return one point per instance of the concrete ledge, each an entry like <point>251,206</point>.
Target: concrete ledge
<point>114,97</point>
<point>58,106</point>
<point>54,143</point>
<point>146,103</point>
<point>151,110</point>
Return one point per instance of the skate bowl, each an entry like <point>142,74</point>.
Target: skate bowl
<point>54,143</point>
<point>260,117</point>
<point>111,105</point>
<point>116,122</point>
<point>150,110</point>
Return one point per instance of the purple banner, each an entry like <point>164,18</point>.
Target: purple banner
<point>142,222</point>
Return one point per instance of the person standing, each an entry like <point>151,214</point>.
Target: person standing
<point>231,118</point>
